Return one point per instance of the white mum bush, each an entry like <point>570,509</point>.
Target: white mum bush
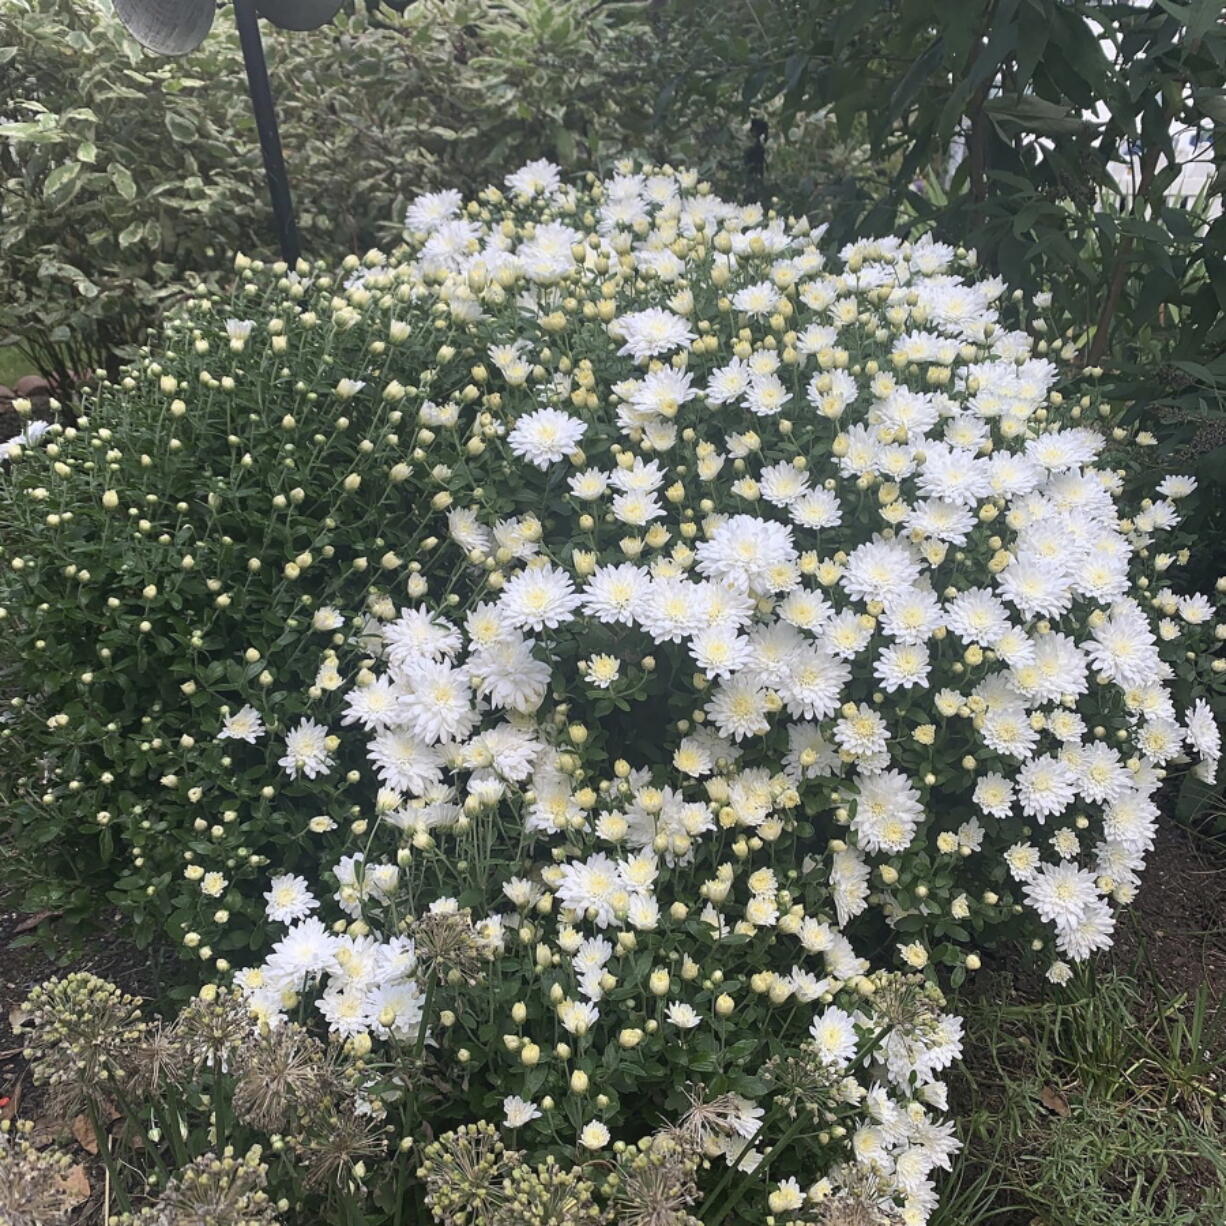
<point>704,642</point>
<point>773,593</point>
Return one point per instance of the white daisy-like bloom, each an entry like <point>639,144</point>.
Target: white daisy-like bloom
<point>594,1135</point>
<point>602,670</point>
<point>902,666</point>
<point>1088,933</point>
<point>245,724</point>
<point>590,888</point>
<point>376,705</point>
<point>435,703</point>
<point>757,301</point>
<point>1123,647</point>
<point>545,436</point>
<point>719,651</point>
<point>516,1111</point>
<point>636,508</point>
<point>539,598</point>
<point>754,554</point>
<point>327,618</point>
<point>1203,733</point>
<point>813,683</point>
<point>738,708</point>
<point>509,675</point>
<point>289,899</point>
<point>541,177</point>
<point>1045,787</point>
<point>1062,893</point>
<point>834,1036</point>
<point>404,762</point>
<point>419,634</point>
<point>239,330</point>
<point>994,794</point>
<point>682,1015</point>
<point>588,485</point>
<point>306,952</point>
<point>1023,861</point>
<point>1176,487</point>
<point>767,395</point>
<point>467,531</point>
<point>651,333</point>
<point>888,812</point>
<point>429,210</point>
<point>880,570</point>
<point>306,751</point>
<point>782,484</point>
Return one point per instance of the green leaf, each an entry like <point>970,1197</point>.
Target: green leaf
<point>180,127</point>
<point>60,182</point>
<point>121,177</point>
<point>87,151</point>
<point>1030,113</point>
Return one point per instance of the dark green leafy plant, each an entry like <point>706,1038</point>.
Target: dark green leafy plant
<point>1050,135</point>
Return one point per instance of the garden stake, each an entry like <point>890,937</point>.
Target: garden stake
<point>248,23</point>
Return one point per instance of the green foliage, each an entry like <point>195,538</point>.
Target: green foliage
<point>122,174</point>
<point>996,123</point>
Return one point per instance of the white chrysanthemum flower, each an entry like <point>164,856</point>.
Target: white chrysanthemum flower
<point>650,333</point>
<point>1061,893</point>
<point>594,1135</point>
<point>376,705</point>
<point>682,1015</point>
<point>518,1111</point>
<point>738,708</point>
<point>538,178</point>
<point>545,436</point>
<point>435,704</point>
<point>327,618</point>
<point>306,751</point>
<point>245,724</point>
<point>289,899</point>
<point>429,210</point>
<point>750,553</point>
<point>539,597</point>
<point>1203,733</point>
<point>834,1036</point>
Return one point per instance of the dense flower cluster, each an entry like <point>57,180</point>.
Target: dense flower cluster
<point>894,588</point>
<point>680,613</point>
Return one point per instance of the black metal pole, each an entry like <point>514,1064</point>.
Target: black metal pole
<point>266,123</point>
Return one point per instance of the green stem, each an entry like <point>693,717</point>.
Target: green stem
<point>103,1140</point>
<point>736,1193</point>
<point>420,1046</point>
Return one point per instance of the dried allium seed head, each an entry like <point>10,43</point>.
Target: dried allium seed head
<point>805,1079</point>
<point>213,1029</point>
<point>82,1034</point>
<point>464,1172</point>
<point>212,1191</point>
<point>547,1195</point>
<point>726,1115</point>
<point>283,1076</point>
<point>338,1142</point>
<point>864,1199</point>
<point>448,946</point>
<point>655,1184</point>
<point>34,1184</point>
<point>157,1060</point>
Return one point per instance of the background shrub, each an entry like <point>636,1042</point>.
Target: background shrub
<point>124,174</point>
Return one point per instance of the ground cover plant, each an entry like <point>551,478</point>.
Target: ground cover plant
<point>585,678</point>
